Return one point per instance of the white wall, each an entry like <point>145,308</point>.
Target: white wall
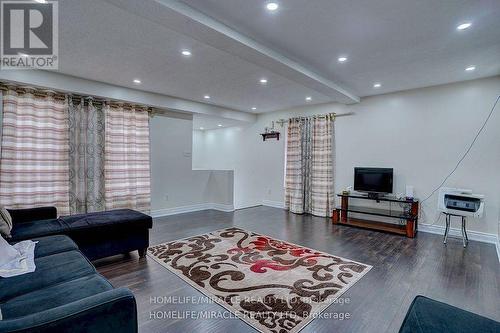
<point>235,149</point>
<point>420,133</point>
<point>173,182</point>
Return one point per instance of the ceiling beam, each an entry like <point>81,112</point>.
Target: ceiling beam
<point>80,86</point>
<point>186,20</point>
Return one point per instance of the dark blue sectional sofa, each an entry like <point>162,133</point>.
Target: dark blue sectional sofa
<point>64,294</point>
<point>97,235</point>
<point>426,315</point>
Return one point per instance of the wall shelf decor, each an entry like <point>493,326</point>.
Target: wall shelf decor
<point>270,135</point>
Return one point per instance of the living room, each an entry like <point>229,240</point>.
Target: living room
<point>243,166</point>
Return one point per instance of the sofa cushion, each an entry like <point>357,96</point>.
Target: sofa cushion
<point>54,296</point>
<point>50,270</point>
<point>32,214</point>
<point>53,244</point>
<point>41,228</point>
<point>426,315</point>
<point>123,218</point>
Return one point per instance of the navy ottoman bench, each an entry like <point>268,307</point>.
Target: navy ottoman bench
<point>97,235</point>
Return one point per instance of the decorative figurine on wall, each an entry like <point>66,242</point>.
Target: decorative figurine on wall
<point>270,133</point>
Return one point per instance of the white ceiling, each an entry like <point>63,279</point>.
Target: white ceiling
<point>403,44</point>
<point>103,42</point>
<point>204,122</point>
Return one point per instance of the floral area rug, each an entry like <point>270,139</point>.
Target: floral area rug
<point>272,285</point>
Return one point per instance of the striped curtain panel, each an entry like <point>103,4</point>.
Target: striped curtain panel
<point>309,166</point>
<point>321,190</point>
<point>294,176</point>
<point>86,157</point>
<point>126,170</point>
<point>34,158</point>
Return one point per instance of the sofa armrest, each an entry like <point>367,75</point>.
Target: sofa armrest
<point>111,311</point>
<point>32,214</point>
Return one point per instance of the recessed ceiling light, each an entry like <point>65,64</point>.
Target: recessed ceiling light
<point>342,59</point>
<point>470,68</point>
<point>201,128</point>
<point>254,108</point>
<point>220,125</point>
<point>206,97</point>
<point>308,98</point>
<point>377,85</point>
<point>464,26</point>
<point>137,81</point>
<point>186,53</point>
<point>41,1</point>
<point>272,6</point>
<point>263,81</point>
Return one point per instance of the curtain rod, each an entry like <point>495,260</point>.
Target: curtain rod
<point>331,114</point>
<point>4,86</point>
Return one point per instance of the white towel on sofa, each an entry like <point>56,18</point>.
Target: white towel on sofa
<point>20,258</point>
<point>8,252</point>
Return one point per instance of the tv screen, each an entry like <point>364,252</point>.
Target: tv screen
<point>376,180</point>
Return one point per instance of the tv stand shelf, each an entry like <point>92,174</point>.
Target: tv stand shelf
<point>409,215</point>
<point>379,212</point>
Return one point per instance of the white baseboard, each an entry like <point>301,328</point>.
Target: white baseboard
<point>221,207</point>
<point>473,235</point>
<point>248,205</point>
<point>430,228</point>
<point>275,204</point>
<point>191,208</point>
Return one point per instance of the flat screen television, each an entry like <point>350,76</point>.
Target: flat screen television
<point>373,180</point>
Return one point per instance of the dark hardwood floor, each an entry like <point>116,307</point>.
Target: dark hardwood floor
<point>402,268</point>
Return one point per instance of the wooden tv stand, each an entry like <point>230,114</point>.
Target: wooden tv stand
<point>408,215</point>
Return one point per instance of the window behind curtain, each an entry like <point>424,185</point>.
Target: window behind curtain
<point>127,172</point>
<point>36,154</point>
<point>34,157</point>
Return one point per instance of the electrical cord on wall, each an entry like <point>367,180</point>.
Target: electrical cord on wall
<point>466,152</point>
